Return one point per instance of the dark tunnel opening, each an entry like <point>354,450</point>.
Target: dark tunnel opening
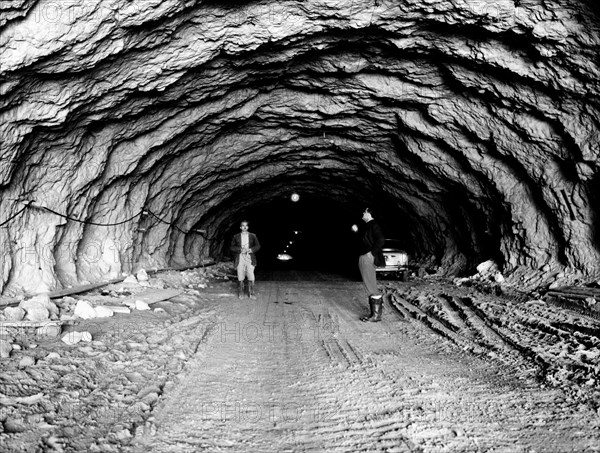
<point>313,234</point>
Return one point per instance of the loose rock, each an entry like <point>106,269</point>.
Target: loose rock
<point>72,338</point>
<point>13,425</point>
<point>5,349</point>
<point>26,361</point>
<point>84,310</point>
<point>141,305</point>
<point>14,313</point>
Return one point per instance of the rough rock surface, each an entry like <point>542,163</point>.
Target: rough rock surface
<point>476,121</point>
<point>39,308</point>
<point>448,369</point>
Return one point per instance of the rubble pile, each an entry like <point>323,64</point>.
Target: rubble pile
<point>488,278</point>
<point>89,379</point>
<point>536,338</point>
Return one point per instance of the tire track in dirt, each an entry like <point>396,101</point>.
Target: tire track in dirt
<point>490,337</point>
<point>355,387</point>
<point>454,317</point>
<point>558,347</point>
<point>434,324</point>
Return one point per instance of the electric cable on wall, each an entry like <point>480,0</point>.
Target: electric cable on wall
<point>88,222</point>
<point>14,216</point>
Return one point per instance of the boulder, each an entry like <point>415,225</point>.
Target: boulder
<point>84,310</point>
<point>487,268</point>
<point>34,304</point>
<point>130,279</point>
<point>14,313</point>
<point>36,310</point>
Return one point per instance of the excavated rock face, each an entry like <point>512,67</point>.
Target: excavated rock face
<point>473,125</point>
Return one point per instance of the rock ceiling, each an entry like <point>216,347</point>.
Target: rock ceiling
<point>476,122</point>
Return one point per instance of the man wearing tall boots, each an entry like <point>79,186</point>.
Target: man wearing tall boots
<point>371,255</point>
<point>244,245</point>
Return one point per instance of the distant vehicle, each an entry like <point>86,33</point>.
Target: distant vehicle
<point>396,259</point>
<point>290,246</point>
<point>284,257</point>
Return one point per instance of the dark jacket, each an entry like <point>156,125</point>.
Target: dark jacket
<point>236,247</point>
<point>372,240</point>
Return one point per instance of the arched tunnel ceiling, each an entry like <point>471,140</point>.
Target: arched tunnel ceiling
<point>476,123</point>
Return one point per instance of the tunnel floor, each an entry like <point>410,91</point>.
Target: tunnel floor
<point>449,369</point>
<point>281,273</point>
<point>296,371</point>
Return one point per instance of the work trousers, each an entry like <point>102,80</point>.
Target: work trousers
<point>245,269</point>
<point>366,265</point>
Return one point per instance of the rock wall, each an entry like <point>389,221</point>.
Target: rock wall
<point>477,120</point>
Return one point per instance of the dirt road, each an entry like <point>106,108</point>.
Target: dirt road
<point>295,371</point>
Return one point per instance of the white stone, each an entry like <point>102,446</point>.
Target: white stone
<point>36,309</point>
<point>459,281</point>
<point>14,313</point>
<point>487,267</point>
<point>103,312</point>
<point>5,349</point>
<point>26,361</point>
<point>141,305</point>
<point>72,338</point>
<point>130,279</point>
<point>123,434</point>
<point>37,314</point>
<point>41,300</point>
<point>498,277</point>
<point>590,301</point>
<point>48,331</point>
<point>84,310</point>
<point>142,276</point>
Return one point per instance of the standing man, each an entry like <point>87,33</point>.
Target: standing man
<point>371,256</point>
<point>245,245</point>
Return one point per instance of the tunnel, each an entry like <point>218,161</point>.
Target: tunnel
<point>138,134</point>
